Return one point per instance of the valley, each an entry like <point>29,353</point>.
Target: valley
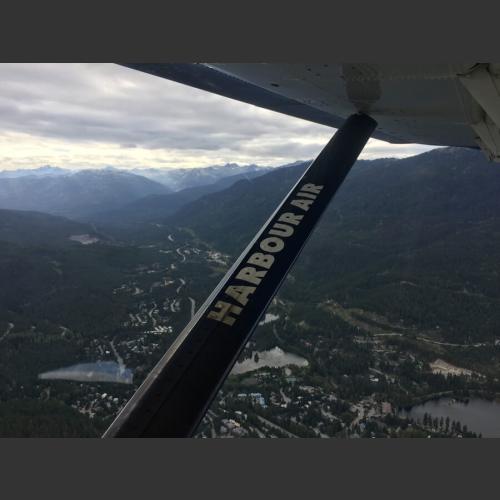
<point>393,303</point>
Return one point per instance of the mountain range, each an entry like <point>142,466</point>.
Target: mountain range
<point>39,172</point>
<point>158,206</point>
<point>182,178</point>
<point>77,193</point>
<point>91,193</point>
<point>415,239</point>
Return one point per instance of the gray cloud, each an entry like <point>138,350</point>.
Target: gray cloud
<point>109,104</point>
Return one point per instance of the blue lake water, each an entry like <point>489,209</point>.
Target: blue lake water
<point>480,415</point>
<point>101,371</point>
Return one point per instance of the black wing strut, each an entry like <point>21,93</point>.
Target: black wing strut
<point>176,394</point>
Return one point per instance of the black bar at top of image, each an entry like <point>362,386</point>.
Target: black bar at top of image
<point>176,394</point>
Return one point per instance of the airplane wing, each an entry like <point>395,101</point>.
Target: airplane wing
<point>436,104</point>
<point>455,105</point>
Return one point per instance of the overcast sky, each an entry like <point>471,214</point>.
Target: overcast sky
<point>95,115</point>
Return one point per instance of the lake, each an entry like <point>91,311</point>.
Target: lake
<point>480,415</point>
<point>101,371</point>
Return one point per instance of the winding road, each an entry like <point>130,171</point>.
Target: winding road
<point>193,306</point>
<point>178,250</point>
<point>183,282</point>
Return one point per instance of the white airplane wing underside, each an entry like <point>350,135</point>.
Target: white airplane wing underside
<point>438,104</point>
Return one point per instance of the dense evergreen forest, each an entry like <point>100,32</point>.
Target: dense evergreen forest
<point>402,270</point>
